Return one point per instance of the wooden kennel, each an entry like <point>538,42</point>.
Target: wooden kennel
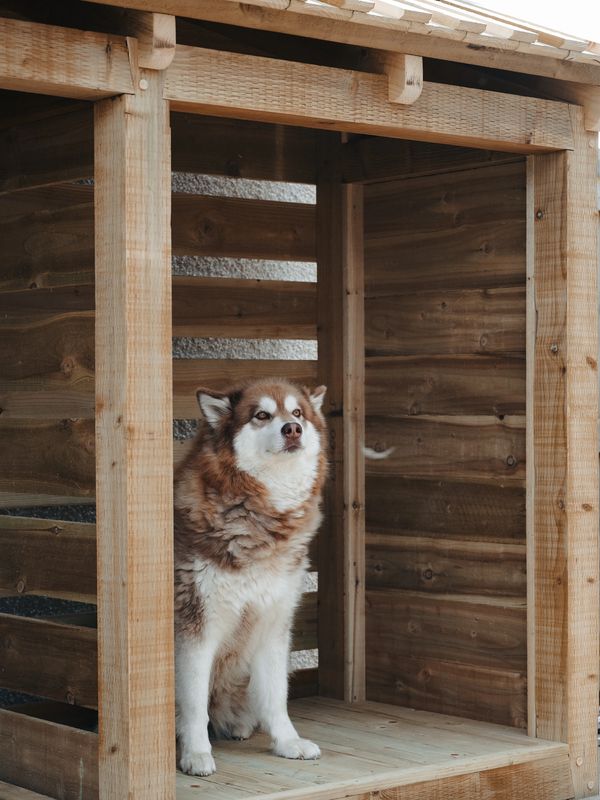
<point>455,236</point>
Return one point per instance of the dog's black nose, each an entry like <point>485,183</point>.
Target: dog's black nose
<point>292,430</point>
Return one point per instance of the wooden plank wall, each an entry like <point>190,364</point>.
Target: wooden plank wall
<point>47,377</point>
<point>445,398</point>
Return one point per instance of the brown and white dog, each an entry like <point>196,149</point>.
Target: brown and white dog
<point>246,507</point>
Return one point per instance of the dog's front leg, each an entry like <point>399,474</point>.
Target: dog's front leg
<point>268,693</point>
<point>194,661</point>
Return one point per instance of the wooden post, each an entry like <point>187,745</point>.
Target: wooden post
<point>134,447</point>
<point>564,414</point>
<point>340,323</point>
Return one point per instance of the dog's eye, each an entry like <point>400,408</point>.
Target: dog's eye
<point>263,415</point>
<point>296,412</point>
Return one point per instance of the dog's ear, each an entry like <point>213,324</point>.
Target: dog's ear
<point>214,405</point>
<point>316,397</point>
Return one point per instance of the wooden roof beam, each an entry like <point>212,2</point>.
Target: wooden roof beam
<point>251,87</point>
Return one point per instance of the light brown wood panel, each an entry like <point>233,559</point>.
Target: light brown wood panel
<point>49,659</point>
<point>375,158</point>
<point>47,458</point>
<point>445,565</point>
<point>48,232</point>
<point>244,308</point>
<point>472,449</point>
<point>471,321</point>
<point>242,149</point>
<point>446,687</point>
<point>461,230</point>
<point>414,385</point>
<point>47,757</point>
<point>445,509</point>
<point>48,557</point>
<point>481,632</point>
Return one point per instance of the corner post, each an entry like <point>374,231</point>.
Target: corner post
<point>565,451</point>
<point>134,457</point>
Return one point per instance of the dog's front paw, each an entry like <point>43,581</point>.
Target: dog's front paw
<point>197,764</point>
<point>297,748</point>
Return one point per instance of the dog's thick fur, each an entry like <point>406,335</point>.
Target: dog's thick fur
<point>246,507</point>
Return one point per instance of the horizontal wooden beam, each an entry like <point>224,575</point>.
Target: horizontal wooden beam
<point>359,30</point>
<point>47,59</point>
<point>48,757</point>
<point>253,87</point>
<point>48,557</point>
<point>49,659</point>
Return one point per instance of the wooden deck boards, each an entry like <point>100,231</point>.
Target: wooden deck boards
<point>365,747</point>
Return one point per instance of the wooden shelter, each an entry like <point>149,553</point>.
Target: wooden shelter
<point>455,235</point>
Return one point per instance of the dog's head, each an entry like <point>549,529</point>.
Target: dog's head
<point>267,423</point>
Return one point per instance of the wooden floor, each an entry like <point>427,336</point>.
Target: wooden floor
<point>374,746</point>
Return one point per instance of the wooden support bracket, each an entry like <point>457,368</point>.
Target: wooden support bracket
<point>405,77</point>
<point>155,34</point>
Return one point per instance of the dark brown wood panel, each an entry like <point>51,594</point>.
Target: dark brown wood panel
<point>477,449</point>
<point>48,557</point>
<point>47,757</point>
<point>469,631</point>
<point>445,565</point>
<point>461,230</point>
<point>414,385</point>
<point>304,635</point>
<point>49,659</point>
<point>473,321</point>
<point>445,509</point>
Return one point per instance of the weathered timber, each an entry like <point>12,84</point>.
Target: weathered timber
<point>49,659</point>
<point>445,509</point>
<point>472,449</point>
<point>456,231</point>
<point>473,321</point>
<point>48,557</point>
<point>446,565</point>
<point>414,385</point>
<point>482,632</point>
<point>47,757</point>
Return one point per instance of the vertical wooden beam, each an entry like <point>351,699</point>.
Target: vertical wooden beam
<point>566,453</point>
<point>341,366</point>
<point>133,443</point>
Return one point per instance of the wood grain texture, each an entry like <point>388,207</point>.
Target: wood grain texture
<point>445,509</point>
<point>252,87</point>
<point>47,59</point>
<point>49,659</point>
<point>445,385</point>
<point>9,792</point>
<point>566,453</point>
<point>445,565</point>
<point>134,448</point>
<point>445,322</point>
<point>461,230</point>
<point>471,449</point>
<point>48,557</point>
<point>475,631</point>
<point>47,757</point>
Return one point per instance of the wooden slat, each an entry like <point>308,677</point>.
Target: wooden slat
<point>47,757</point>
<point>445,565</point>
<point>456,231</point>
<point>304,636</point>
<point>564,419</point>
<point>134,446</point>
<point>480,632</point>
<point>488,322</point>
<point>374,158</point>
<point>48,557</point>
<point>252,87</point>
<point>472,449</point>
<point>48,232</point>
<point>445,509</point>
<point>9,792</point>
<point>414,385</point>
<point>49,659</point>
<point>47,59</point>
